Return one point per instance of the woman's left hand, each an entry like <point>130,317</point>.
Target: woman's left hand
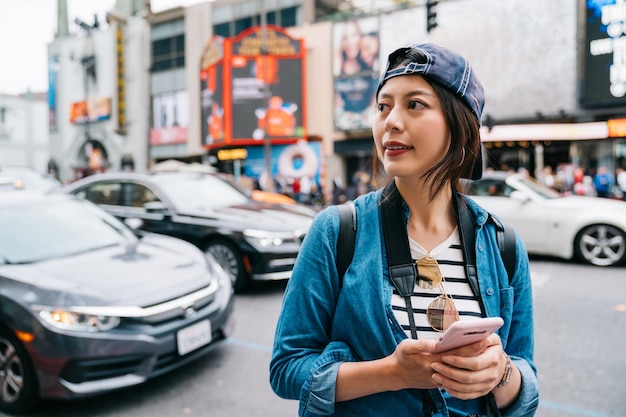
<point>468,377</point>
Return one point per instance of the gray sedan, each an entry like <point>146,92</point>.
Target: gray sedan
<point>86,306</point>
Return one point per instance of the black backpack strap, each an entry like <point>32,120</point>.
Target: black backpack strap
<point>468,244</point>
<point>505,237</point>
<point>402,269</point>
<point>506,243</point>
<point>346,238</point>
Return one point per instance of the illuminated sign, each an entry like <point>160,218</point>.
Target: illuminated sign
<point>253,87</point>
<point>92,110</point>
<point>604,80</point>
<point>232,154</point>
<point>545,131</point>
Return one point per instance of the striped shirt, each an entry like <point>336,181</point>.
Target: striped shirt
<point>449,256</point>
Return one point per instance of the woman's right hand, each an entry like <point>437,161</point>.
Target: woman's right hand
<point>412,363</point>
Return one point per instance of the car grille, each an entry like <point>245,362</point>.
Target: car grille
<point>94,370</point>
<point>90,370</point>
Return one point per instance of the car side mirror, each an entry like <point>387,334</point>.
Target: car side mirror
<point>156,207</point>
<point>133,222</point>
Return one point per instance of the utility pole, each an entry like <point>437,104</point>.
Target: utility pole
<point>269,179</point>
<point>88,61</point>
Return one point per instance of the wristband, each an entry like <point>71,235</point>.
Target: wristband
<point>508,370</point>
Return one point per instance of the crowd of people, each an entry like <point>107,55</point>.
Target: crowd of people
<point>575,180</point>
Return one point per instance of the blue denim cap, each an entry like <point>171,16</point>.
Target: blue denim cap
<point>445,67</point>
<point>448,69</point>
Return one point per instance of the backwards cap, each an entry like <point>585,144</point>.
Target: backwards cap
<point>446,68</point>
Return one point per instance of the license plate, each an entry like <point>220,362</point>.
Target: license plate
<point>193,337</point>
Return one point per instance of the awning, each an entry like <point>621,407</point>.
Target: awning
<point>545,131</point>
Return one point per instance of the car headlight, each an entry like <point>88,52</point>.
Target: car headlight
<point>79,322</point>
<point>265,239</point>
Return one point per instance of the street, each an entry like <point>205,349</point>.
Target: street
<point>580,332</point>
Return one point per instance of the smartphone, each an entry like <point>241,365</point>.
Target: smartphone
<point>461,333</point>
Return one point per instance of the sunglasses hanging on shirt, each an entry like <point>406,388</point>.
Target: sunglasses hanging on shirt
<point>405,273</point>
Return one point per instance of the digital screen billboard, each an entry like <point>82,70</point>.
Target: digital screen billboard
<point>265,87</point>
<point>604,67</point>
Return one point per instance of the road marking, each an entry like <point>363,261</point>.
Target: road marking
<point>571,410</point>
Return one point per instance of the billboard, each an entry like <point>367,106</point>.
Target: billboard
<point>211,95</point>
<point>170,118</point>
<point>355,70</point>
<point>604,67</point>
<point>264,87</point>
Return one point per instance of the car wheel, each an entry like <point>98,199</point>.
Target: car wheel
<point>228,257</point>
<point>601,245</point>
<point>18,384</point>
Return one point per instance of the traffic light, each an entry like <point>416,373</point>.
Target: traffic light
<point>431,14</point>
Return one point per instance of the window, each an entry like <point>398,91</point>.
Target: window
<point>168,53</point>
<point>138,195</point>
<point>105,193</point>
<point>231,20</point>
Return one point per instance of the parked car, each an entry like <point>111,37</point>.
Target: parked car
<point>18,178</point>
<point>566,226</point>
<point>254,241</point>
<point>87,306</point>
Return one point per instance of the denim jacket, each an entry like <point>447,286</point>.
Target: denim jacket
<point>322,325</point>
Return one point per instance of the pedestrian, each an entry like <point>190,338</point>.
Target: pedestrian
<point>621,181</point>
<point>354,346</point>
<point>602,182</point>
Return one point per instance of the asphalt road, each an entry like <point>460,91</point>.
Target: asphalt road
<point>580,322</point>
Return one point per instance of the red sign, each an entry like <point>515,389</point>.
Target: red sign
<point>263,90</point>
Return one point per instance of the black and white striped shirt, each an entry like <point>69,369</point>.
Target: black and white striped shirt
<point>449,256</point>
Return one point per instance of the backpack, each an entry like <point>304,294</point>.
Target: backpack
<point>347,236</point>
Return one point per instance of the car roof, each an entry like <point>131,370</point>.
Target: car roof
<point>138,176</point>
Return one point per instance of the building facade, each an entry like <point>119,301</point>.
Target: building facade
<point>551,72</point>
<point>24,131</point>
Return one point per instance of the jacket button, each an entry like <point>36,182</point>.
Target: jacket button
<point>489,291</point>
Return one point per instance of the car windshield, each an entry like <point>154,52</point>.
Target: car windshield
<point>202,193</point>
<point>56,228</point>
<point>539,188</point>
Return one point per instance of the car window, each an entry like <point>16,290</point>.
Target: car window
<point>489,187</point>
<point>203,192</point>
<point>136,195</point>
<point>56,229</point>
<point>102,193</point>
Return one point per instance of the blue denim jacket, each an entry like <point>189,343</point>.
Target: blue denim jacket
<point>322,325</point>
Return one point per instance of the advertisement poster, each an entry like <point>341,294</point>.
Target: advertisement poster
<point>356,65</point>
<point>53,71</point>
<point>171,118</point>
<point>302,159</point>
<point>266,90</point>
<point>604,81</point>
<point>211,95</point>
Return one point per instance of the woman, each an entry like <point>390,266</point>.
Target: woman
<point>356,346</point>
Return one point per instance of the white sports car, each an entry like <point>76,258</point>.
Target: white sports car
<point>566,226</point>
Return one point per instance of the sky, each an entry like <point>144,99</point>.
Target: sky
<point>26,28</point>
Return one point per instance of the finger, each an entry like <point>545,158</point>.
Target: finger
<point>463,384</point>
<point>411,346</point>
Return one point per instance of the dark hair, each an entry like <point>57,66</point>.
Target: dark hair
<point>464,150</point>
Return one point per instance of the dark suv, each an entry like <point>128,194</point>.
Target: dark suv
<point>252,240</point>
